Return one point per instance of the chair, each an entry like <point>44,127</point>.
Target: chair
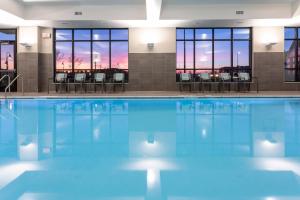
<point>225,80</point>
<point>119,79</point>
<point>99,79</point>
<point>80,80</point>
<point>185,79</point>
<point>244,80</point>
<point>61,79</point>
<point>204,80</point>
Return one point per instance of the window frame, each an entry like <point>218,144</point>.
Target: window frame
<point>10,42</point>
<point>297,57</point>
<point>92,40</point>
<point>213,40</point>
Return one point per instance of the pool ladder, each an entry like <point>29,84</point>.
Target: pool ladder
<point>7,89</point>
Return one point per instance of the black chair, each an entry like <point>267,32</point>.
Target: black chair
<point>119,79</point>
<point>99,80</point>
<point>185,79</point>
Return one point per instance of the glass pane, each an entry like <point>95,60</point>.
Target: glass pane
<point>203,54</point>
<point>290,54</point>
<point>189,34</point>
<point>189,55</point>
<point>7,35</point>
<point>100,55</point>
<point>63,56</point>
<point>203,34</point>
<point>82,34</point>
<point>82,56</point>
<point>222,55</point>
<point>241,33</point>
<point>289,33</point>
<point>222,34</point>
<point>119,34</point>
<point>63,35</point>
<point>241,54</point>
<point>180,55</point>
<point>119,55</point>
<point>7,57</point>
<point>180,34</point>
<point>101,34</point>
<point>290,75</point>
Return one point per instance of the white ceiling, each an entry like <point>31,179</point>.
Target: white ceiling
<point>135,12</point>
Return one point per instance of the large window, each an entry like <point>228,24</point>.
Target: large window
<point>7,49</point>
<point>292,58</point>
<point>91,50</point>
<point>214,50</point>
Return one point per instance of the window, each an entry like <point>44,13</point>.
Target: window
<point>7,49</point>
<point>291,49</point>
<point>214,50</point>
<point>91,50</point>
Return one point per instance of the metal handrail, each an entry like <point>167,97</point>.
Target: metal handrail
<point>8,78</point>
<point>12,82</point>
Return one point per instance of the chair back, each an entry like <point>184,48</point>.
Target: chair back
<point>119,77</point>
<point>225,76</point>
<point>80,77</point>
<point>204,77</point>
<point>244,76</point>
<point>61,77</point>
<point>185,77</point>
<point>99,77</point>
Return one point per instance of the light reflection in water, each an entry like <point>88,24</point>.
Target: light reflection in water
<point>160,138</point>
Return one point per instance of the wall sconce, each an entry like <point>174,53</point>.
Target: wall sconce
<point>26,45</point>
<point>270,44</point>
<point>150,45</point>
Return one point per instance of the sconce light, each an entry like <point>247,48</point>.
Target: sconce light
<point>150,45</point>
<point>270,44</point>
<point>26,45</point>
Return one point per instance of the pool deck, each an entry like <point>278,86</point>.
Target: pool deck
<point>154,94</point>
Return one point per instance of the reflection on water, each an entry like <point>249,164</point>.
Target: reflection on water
<point>161,149</point>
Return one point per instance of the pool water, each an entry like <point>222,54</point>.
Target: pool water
<point>136,149</point>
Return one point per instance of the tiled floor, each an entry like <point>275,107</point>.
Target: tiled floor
<point>156,94</point>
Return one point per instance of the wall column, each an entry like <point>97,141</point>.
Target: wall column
<point>34,62</point>
<point>27,64</point>
<point>152,68</point>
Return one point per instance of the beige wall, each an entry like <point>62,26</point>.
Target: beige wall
<point>164,40</point>
<point>28,35</point>
<point>45,44</point>
<point>264,35</point>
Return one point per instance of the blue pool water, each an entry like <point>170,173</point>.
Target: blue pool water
<point>136,149</point>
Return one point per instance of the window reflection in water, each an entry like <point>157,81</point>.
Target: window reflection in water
<point>119,128</point>
<point>161,138</point>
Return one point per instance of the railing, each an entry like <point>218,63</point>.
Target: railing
<point>12,82</point>
<point>8,78</point>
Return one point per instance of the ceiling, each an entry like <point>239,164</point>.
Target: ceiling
<point>148,12</point>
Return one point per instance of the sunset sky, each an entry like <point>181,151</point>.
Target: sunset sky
<point>100,54</point>
<point>204,45</point>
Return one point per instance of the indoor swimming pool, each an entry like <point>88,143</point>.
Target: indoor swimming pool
<point>150,149</point>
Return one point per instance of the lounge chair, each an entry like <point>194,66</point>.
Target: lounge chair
<point>225,80</point>
<point>80,80</point>
<point>99,79</point>
<point>61,79</point>
<point>185,79</point>
<point>205,79</point>
<point>244,81</point>
<point>119,79</point>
